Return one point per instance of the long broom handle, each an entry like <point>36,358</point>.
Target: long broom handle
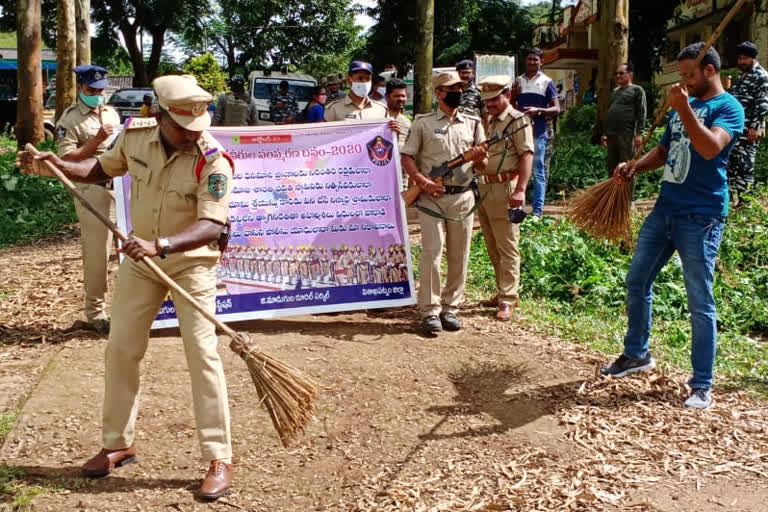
<point>710,42</point>
<point>119,234</point>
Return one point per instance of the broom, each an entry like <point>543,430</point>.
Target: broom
<point>604,210</point>
<point>286,393</point>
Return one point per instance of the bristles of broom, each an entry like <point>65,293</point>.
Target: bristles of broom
<point>286,393</point>
<point>604,210</point>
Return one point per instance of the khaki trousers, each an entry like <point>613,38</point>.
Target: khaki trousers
<point>502,239</point>
<point>95,240</point>
<point>456,238</point>
<point>137,300</point>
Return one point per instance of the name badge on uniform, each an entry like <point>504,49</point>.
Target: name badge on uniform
<point>351,116</point>
<point>441,131</point>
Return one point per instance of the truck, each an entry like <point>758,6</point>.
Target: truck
<point>264,83</point>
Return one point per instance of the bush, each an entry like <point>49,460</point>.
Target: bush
<point>579,119</point>
<point>30,206</point>
<point>208,73</point>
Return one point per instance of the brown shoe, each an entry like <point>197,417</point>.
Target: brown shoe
<point>106,460</point>
<point>505,312</point>
<point>490,303</point>
<point>217,482</point>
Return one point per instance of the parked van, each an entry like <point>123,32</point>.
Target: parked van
<point>264,83</point>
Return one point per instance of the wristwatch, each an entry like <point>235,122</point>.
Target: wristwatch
<point>164,245</point>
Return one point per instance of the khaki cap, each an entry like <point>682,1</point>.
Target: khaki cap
<point>445,79</point>
<point>492,86</point>
<point>332,79</point>
<point>185,101</point>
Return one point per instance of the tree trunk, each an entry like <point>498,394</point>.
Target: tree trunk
<point>29,118</point>
<point>83,28</point>
<point>137,58</point>
<point>65,55</point>
<point>613,48</point>
<point>422,88</point>
<point>158,40</point>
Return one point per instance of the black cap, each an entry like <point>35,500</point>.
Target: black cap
<point>748,49</point>
<point>237,80</point>
<point>465,64</point>
<point>283,83</point>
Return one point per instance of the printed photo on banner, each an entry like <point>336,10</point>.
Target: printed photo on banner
<point>317,221</point>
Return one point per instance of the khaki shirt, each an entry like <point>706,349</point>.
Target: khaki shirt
<point>436,138</point>
<point>405,127</point>
<point>346,110</point>
<point>166,197</point>
<point>79,123</point>
<point>517,145</point>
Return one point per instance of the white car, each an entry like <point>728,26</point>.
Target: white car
<point>264,83</point>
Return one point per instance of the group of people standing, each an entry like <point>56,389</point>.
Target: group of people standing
<point>181,186</point>
<point>314,266</point>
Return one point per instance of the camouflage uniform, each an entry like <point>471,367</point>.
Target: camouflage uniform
<point>751,89</point>
<point>471,101</point>
<point>290,108</point>
<point>336,96</point>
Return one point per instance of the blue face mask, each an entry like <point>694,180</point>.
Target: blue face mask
<point>92,101</point>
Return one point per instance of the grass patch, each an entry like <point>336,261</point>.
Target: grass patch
<point>7,421</point>
<point>573,287</point>
<point>30,206</point>
<point>18,489</point>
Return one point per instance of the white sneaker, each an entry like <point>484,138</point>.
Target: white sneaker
<point>700,398</point>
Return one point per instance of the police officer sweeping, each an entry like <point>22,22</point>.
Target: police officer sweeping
<point>180,189</point>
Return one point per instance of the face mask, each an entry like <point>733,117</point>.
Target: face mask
<point>361,89</point>
<point>382,91</point>
<point>92,101</point>
<point>452,99</point>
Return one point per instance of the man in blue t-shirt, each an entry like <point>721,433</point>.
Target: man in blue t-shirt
<point>536,97</point>
<point>689,216</point>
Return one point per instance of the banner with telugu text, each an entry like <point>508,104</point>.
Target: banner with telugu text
<point>317,222</point>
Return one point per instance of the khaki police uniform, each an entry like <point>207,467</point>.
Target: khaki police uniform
<point>497,183</point>
<point>167,198</point>
<point>77,125</point>
<point>346,110</point>
<point>433,139</point>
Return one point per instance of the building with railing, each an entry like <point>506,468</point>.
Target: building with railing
<point>570,49</point>
<point>696,20</point>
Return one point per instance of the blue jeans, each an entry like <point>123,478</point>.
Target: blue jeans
<point>697,239</point>
<point>539,175</point>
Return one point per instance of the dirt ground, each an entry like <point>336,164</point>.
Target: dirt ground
<point>495,417</point>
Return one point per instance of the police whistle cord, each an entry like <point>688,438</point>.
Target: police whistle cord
<point>286,393</point>
<point>473,186</point>
<point>604,210</point>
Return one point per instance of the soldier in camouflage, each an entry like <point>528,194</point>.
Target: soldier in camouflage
<point>333,87</point>
<point>751,89</point>
<point>471,101</point>
<point>283,107</point>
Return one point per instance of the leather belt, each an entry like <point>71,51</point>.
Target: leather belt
<point>502,177</point>
<point>451,189</point>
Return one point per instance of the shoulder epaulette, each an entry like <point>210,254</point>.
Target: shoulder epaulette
<point>332,103</point>
<point>419,116</point>
<point>68,109</point>
<point>134,123</point>
<point>209,147</point>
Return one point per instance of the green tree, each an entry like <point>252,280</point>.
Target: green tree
<point>648,35</point>
<point>155,17</point>
<point>461,28</point>
<point>255,33</point>
<point>207,71</point>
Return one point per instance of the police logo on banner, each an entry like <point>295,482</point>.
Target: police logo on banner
<point>379,151</point>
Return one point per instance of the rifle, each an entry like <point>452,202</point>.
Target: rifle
<point>453,166</point>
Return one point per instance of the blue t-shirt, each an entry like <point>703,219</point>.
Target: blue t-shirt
<point>538,92</point>
<point>692,184</point>
<point>316,113</point>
